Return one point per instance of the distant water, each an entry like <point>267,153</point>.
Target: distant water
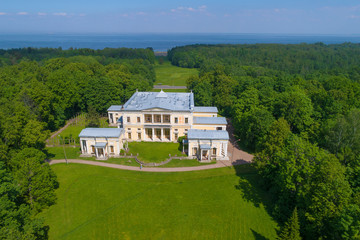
<point>159,42</point>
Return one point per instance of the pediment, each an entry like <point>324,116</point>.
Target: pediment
<point>156,110</point>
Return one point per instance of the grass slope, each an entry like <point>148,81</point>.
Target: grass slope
<point>167,74</point>
<point>103,203</point>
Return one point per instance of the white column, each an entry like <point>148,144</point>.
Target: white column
<point>81,146</point>
<point>96,152</point>
<point>153,134</point>
<point>162,134</point>
<point>170,132</point>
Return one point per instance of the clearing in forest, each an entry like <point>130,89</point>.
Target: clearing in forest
<point>167,74</point>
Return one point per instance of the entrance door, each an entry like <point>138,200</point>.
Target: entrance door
<point>205,154</point>
<point>100,152</point>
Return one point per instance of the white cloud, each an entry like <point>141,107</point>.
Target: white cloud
<point>3,13</point>
<point>189,9</point>
<point>42,14</point>
<point>22,13</point>
<point>60,14</point>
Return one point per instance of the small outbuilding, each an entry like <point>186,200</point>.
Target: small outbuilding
<point>208,144</point>
<point>101,142</point>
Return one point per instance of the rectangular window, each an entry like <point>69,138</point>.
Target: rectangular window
<point>148,118</point>
<point>128,119</point>
<point>166,118</point>
<point>186,120</point>
<point>157,118</point>
<point>176,136</point>
<point>176,120</point>
<point>214,151</point>
<point>149,132</point>
<point>167,133</point>
<point>138,119</point>
<point>219,128</point>
<point>92,149</point>
<point>129,135</point>
<point>111,149</point>
<point>139,129</point>
<point>129,129</point>
<point>139,136</point>
<point>176,129</point>
<point>194,151</point>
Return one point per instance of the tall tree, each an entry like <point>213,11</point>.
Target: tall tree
<point>36,179</point>
<point>291,229</point>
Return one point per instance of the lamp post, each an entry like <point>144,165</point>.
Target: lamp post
<point>64,150</point>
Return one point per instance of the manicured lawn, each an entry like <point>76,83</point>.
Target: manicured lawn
<point>167,74</point>
<point>153,151</point>
<point>74,129</point>
<point>58,152</point>
<point>185,163</point>
<point>103,203</point>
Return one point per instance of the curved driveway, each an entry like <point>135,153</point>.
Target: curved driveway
<point>219,164</point>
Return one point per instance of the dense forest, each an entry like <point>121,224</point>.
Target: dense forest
<point>297,107</point>
<point>40,89</point>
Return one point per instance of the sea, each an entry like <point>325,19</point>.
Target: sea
<point>160,42</point>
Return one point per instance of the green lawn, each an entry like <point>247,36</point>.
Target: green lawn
<point>58,152</point>
<point>103,203</point>
<point>185,163</point>
<point>153,151</point>
<point>167,74</point>
<point>74,129</point>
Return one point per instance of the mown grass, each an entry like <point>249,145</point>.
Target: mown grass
<point>154,151</point>
<point>74,130</point>
<point>185,163</point>
<point>103,203</point>
<point>167,74</point>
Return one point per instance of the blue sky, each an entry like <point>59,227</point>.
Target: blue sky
<point>200,16</point>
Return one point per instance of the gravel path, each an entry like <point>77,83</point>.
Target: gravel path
<point>219,164</point>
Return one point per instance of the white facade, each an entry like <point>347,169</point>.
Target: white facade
<point>160,117</point>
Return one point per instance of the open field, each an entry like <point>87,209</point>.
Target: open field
<point>103,203</point>
<point>167,74</point>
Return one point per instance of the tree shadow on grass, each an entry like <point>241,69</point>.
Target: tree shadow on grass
<point>257,235</point>
<point>250,187</point>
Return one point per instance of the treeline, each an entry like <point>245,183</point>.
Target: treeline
<point>304,126</point>
<point>36,97</point>
<point>104,56</point>
<point>292,58</point>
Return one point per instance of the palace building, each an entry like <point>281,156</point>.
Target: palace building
<point>160,117</point>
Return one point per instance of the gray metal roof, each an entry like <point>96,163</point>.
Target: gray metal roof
<point>208,134</point>
<point>101,132</point>
<point>115,108</point>
<point>210,120</point>
<point>172,101</point>
<point>100,144</point>
<point>206,109</point>
<point>205,146</point>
